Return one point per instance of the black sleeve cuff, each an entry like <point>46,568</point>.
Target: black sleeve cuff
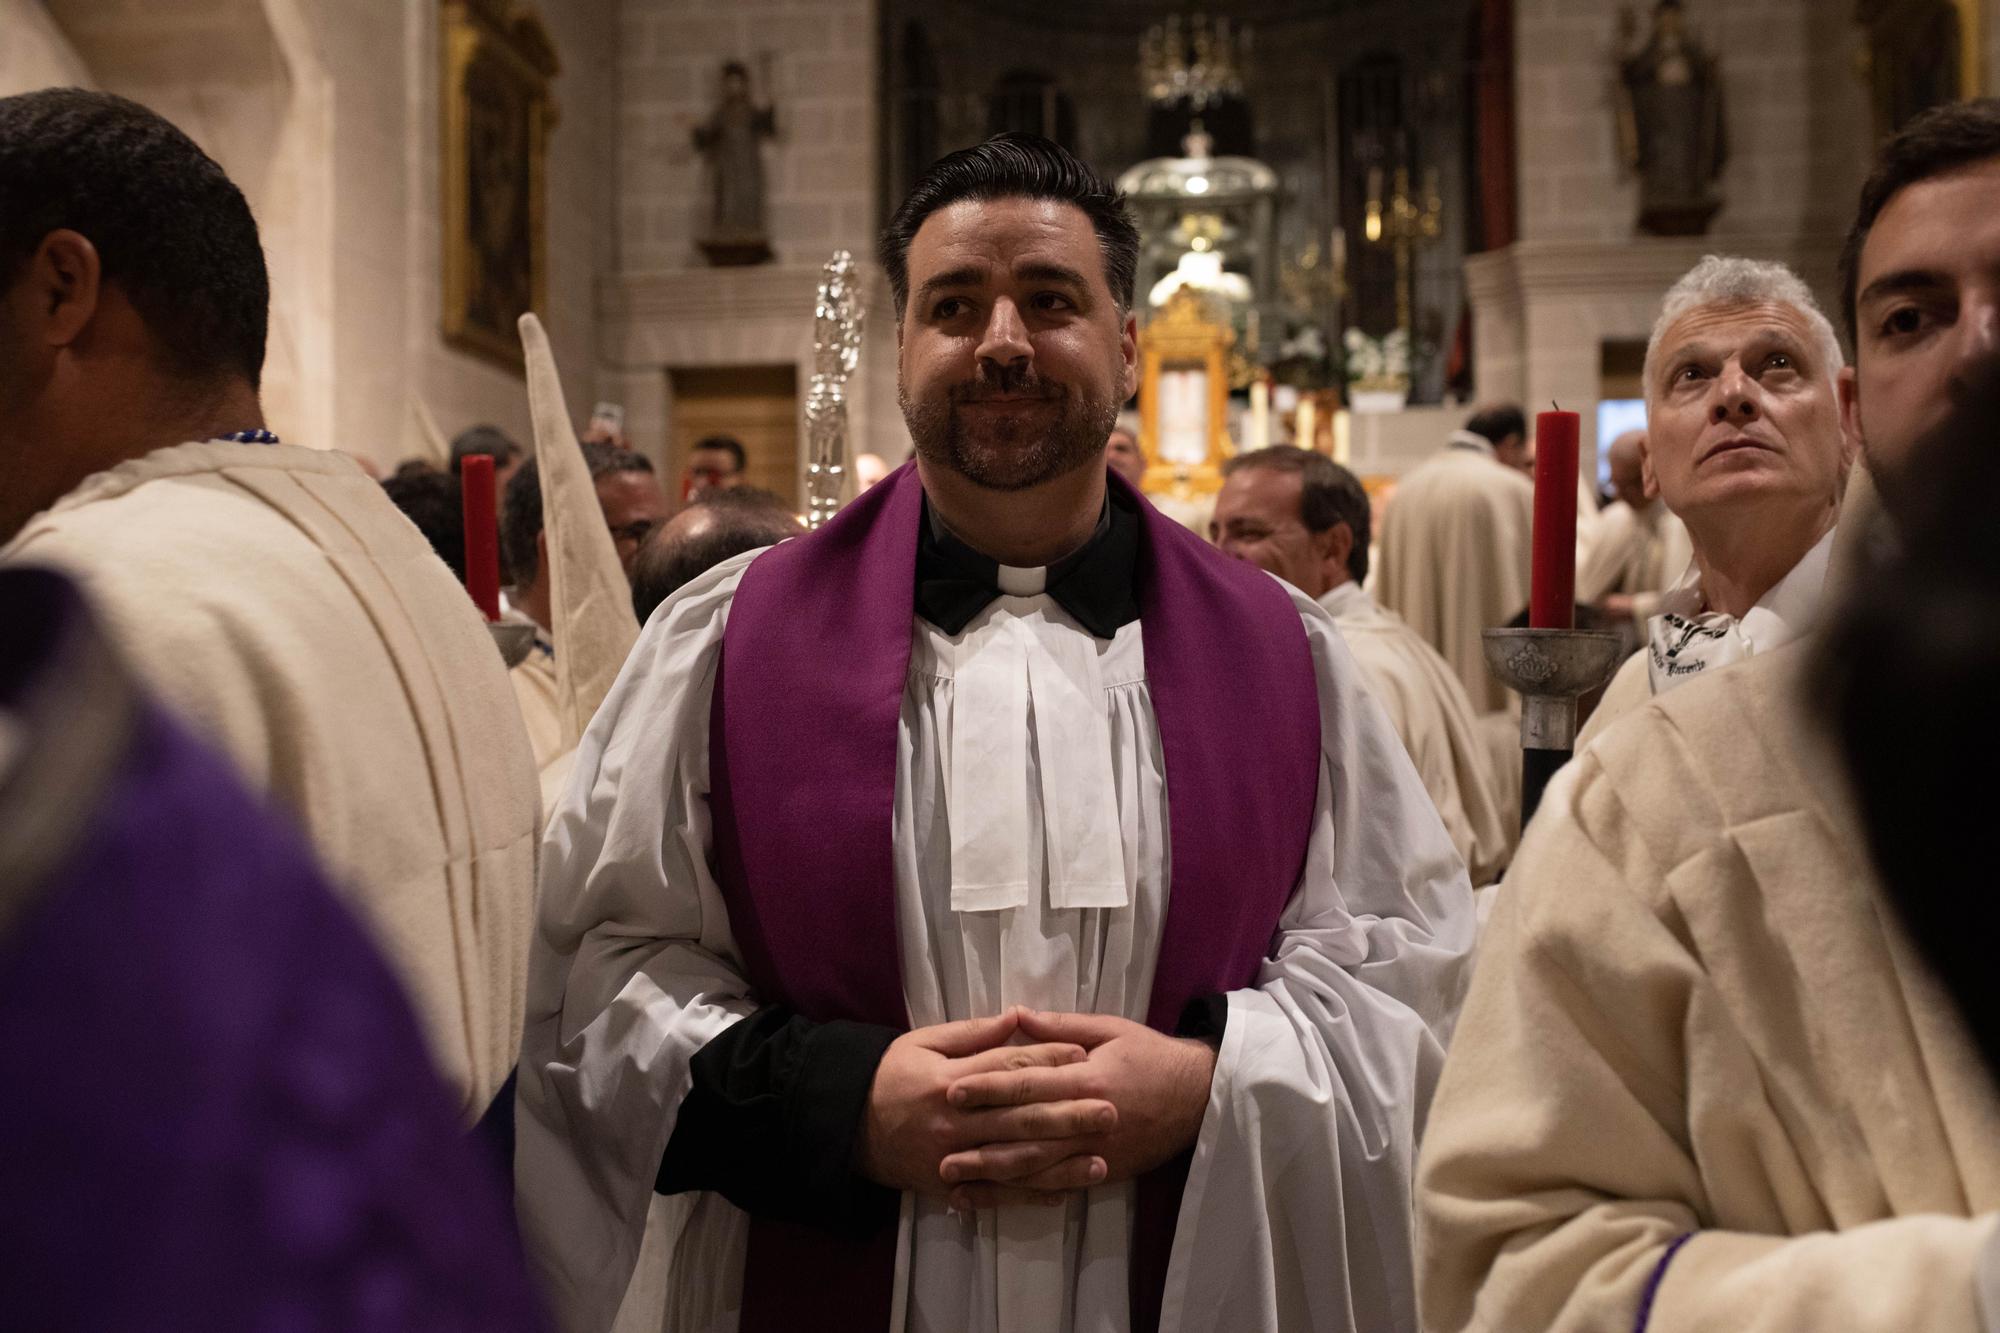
<point>773,1120</point>
<point>1205,1017</point>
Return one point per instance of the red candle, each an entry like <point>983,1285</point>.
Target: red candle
<point>482,533</point>
<point>1552,593</point>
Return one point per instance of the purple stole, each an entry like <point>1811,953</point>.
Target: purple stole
<point>808,696</point>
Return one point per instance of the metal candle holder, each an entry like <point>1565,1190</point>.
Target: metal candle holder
<point>1551,669</point>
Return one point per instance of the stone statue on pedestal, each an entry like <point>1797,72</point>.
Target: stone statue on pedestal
<point>732,141</point>
<point>1670,125</point>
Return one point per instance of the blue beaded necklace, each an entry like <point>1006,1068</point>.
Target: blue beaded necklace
<point>258,436</point>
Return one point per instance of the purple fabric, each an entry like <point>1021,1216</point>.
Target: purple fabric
<point>814,664</point>
<point>1659,1275</point>
<point>219,1112</point>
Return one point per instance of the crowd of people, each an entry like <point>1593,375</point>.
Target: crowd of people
<point>1003,908</point>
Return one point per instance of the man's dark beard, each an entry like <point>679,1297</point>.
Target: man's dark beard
<point>1002,452</point>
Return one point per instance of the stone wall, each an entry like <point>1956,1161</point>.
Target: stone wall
<point>383,65</point>
<point>326,114</point>
<point>1797,118</point>
<point>662,307</point>
<point>820,167</point>
<point>1799,144</point>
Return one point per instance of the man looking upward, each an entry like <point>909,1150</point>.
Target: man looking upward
<point>1703,1080</point>
<point>1744,443</point>
<point>858,939</point>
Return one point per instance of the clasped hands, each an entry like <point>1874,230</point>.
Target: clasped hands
<point>956,1109</point>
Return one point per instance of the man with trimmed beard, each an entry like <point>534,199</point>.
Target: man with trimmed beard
<point>859,967</point>
<point>1703,1079</point>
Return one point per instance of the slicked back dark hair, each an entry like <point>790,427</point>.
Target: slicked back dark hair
<point>1328,494</point>
<point>1934,143</point>
<point>1497,422</point>
<point>521,506</point>
<point>495,443</point>
<point>171,230</point>
<point>1016,166</point>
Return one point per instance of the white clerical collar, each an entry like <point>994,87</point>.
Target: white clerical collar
<point>1685,641</point>
<point>1788,610</point>
<point>1345,600</point>
<point>1016,581</point>
<point>1465,439</point>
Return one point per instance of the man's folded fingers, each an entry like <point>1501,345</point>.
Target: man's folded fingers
<point>1017,1087</point>
<point>1049,1187</point>
<point>1006,1163</point>
<point>1039,1120</point>
<point>1045,1055</point>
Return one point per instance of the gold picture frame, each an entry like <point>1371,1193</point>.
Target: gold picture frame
<point>498,111</point>
<point>1971,48</point>
<point>1184,397</point>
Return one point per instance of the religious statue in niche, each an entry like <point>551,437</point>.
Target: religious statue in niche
<point>1914,57</point>
<point>498,112</point>
<point>1670,125</point>
<point>732,139</point>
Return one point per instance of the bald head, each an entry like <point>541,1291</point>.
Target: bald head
<point>1627,459</point>
<point>718,525</point>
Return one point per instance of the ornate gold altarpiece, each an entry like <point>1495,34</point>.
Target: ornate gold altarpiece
<point>1184,397</point>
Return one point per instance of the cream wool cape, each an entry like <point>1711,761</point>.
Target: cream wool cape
<point>1428,708</point>
<point>1635,552</point>
<point>1692,1013</point>
<point>277,599</point>
<point>1455,556</point>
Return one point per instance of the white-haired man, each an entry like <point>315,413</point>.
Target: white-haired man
<point>1702,1080</point>
<point>1744,444</point>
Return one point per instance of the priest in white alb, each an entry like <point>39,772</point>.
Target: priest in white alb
<point>1703,1080</point>
<point>1455,546</point>
<point>1744,444</point>
<point>271,593</point>
<point>1638,546</point>
<point>1305,518</point>
<point>996,910</point>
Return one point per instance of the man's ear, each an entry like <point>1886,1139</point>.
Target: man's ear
<point>64,280</point>
<point>1648,481</point>
<point>1334,546</point>
<point>1847,385</point>
<point>1128,348</point>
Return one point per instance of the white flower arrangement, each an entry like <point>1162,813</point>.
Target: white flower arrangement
<point>1378,363</point>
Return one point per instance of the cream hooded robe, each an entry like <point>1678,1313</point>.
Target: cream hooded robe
<point>1428,708</point>
<point>1455,555</point>
<point>276,598</point>
<point>1693,1017</point>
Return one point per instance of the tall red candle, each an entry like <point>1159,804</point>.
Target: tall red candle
<point>482,533</point>
<point>1552,593</point>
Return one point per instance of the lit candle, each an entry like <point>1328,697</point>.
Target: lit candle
<point>1260,413</point>
<point>1552,592</point>
<point>1306,427</point>
<point>482,533</point>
